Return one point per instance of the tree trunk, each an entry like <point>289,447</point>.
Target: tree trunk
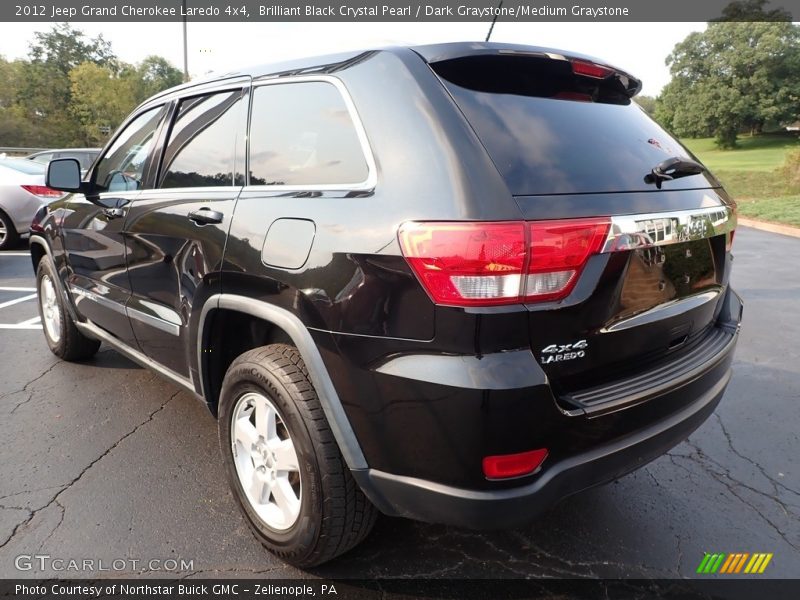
<point>726,138</point>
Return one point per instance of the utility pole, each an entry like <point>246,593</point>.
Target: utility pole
<point>494,20</point>
<point>185,47</point>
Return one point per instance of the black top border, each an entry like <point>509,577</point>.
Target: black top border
<point>395,10</point>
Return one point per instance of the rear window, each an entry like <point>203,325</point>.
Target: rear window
<point>549,131</point>
<point>23,166</point>
<point>84,158</point>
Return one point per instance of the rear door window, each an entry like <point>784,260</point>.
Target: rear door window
<point>202,143</point>
<point>549,131</point>
<point>303,134</point>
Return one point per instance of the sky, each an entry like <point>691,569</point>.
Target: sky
<point>639,48</point>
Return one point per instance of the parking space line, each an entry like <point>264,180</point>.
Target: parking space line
<point>33,321</point>
<point>15,254</point>
<point>17,300</point>
<point>17,289</point>
<point>20,326</point>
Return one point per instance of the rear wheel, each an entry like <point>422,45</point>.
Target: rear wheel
<point>8,233</point>
<point>283,463</point>
<point>63,338</point>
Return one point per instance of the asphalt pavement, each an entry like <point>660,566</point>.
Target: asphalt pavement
<point>105,461</point>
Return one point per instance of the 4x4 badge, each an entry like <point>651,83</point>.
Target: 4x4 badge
<point>562,352</point>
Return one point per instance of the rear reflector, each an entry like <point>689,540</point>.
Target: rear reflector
<point>494,263</point>
<point>505,466</point>
<point>590,69</point>
<point>42,191</point>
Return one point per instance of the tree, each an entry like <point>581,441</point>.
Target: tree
<point>46,92</point>
<point>155,74</point>
<point>648,103</point>
<point>100,99</point>
<point>734,76</point>
<point>64,48</point>
<point>752,10</point>
<point>70,87</point>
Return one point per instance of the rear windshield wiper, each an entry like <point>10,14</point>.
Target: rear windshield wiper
<point>673,168</point>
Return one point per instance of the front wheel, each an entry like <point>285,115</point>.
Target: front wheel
<point>283,463</point>
<point>63,338</point>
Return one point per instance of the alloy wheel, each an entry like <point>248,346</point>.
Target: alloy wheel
<point>266,461</point>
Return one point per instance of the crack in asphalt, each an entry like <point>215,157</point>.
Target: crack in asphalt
<point>83,471</point>
<point>223,570</point>
<point>701,454</point>
<point>50,487</point>
<point>29,383</point>
<point>705,463</point>
<point>60,521</point>
<point>775,483</point>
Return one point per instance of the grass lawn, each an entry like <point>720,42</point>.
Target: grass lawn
<point>752,175</point>
<point>764,152</point>
<point>782,209</point>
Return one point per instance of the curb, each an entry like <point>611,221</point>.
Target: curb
<point>771,227</point>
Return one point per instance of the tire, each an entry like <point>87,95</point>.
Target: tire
<point>63,338</point>
<point>8,232</point>
<point>333,514</point>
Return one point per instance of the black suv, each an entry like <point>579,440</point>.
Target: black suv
<point>455,283</point>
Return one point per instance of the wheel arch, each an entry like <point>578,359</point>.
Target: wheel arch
<point>39,249</point>
<point>282,323</point>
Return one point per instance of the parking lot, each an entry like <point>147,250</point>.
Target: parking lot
<point>104,460</point>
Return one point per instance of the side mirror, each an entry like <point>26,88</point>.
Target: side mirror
<point>64,174</point>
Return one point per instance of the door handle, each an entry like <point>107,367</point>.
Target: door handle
<point>205,216</point>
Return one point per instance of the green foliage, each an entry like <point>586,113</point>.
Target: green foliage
<point>753,153</point>
<point>154,74</point>
<point>648,103</point>
<point>791,169</point>
<point>762,174</point>
<point>64,48</point>
<point>70,87</point>
<point>99,98</point>
<point>752,10</point>
<point>733,77</point>
<point>783,209</point>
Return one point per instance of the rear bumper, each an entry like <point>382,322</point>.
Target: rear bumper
<point>491,509</point>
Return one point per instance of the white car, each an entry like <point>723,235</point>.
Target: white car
<point>22,192</point>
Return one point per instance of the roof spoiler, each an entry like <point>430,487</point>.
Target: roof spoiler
<point>581,65</point>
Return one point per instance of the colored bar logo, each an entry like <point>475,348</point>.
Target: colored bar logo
<point>735,563</point>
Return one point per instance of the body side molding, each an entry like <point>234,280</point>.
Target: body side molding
<point>90,329</point>
<point>331,405</point>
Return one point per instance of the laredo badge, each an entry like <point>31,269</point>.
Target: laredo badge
<point>562,352</point>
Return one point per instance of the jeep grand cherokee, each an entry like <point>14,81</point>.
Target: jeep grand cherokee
<point>455,283</point>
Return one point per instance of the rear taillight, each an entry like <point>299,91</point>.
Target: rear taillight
<point>488,264</point>
<point>559,250</point>
<point>467,264</point>
<point>42,191</point>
